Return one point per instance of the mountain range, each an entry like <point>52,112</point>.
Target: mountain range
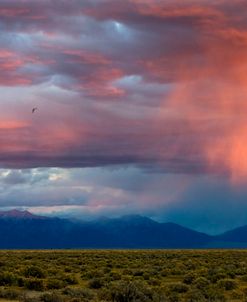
<point>24,230</point>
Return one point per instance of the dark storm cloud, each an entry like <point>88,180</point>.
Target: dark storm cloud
<point>111,39</point>
<point>122,82</point>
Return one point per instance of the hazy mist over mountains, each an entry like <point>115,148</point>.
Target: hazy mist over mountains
<point>24,230</point>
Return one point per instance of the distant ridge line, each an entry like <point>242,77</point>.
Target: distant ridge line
<point>24,230</point>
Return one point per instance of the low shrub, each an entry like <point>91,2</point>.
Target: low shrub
<point>20,281</point>
<point>34,284</point>
<point>195,295</point>
<point>70,280</point>
<point>201,283</point>
<point>214,294</point>
<point>7,278</point>
<point>244,278</point>
<point>115,276</point>
<point>129,292</point>
<point>188,278</point>
<point>227,284</point>
<point>95,283</point>
<point>138,273</point>
<point>33,271</point>
<point>54,284</point>
<point>154,282</point>
<point>178,288</point>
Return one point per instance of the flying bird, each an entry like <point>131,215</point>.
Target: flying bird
<point>34,109</point>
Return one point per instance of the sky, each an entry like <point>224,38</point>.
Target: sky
<point>142,109</point>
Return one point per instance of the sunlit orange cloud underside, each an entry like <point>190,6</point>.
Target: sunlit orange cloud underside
<point>210,97</point>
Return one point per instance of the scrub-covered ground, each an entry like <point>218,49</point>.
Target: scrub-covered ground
<point>123,276</point>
